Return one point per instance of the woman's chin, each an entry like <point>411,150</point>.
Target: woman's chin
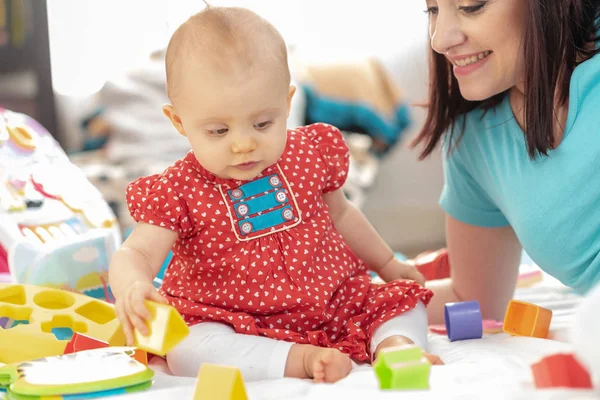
<point>475,93</point>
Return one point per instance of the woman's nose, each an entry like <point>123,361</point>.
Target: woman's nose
<point>445,32</point>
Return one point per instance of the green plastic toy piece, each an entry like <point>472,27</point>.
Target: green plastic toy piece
<point>402,368</point>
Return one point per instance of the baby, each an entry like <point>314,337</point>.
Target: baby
<point>270,260</point>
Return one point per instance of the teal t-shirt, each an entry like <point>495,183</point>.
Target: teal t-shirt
<point>552,203</point>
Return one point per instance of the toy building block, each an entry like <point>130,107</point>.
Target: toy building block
<point>80,342</point>
<point>402,367</point>
<point>560,370</point>
<point>526,319</point>
<point>166,329</point>
<point>463,320</point>
<point>217,382</point>
<point>528,279</point>
<point>140,356</point>
<point>490,326</point>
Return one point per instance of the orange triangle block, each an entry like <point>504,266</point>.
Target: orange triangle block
<point>216,382</point>
<point>166,329</point>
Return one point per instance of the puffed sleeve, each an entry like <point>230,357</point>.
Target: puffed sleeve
<point>333,150</point>
<point>154,200</point>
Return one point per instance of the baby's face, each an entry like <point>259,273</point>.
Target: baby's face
<point>235,122</point>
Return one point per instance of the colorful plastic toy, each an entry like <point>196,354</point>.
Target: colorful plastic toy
<point>526,319</point>
<point>530,278</point>
<point>39,310</point>
<point>55,227</point>
<point>80,342</point>
<point>463,320</point>
<point>217,382</point>
<point>402,367</point>
<point>560,370</point>
<point>140,356</point>
<point>83,375</point>
<point>490,326</point>
<point>166,329</point>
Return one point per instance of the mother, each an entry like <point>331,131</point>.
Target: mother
<point>515,101</point>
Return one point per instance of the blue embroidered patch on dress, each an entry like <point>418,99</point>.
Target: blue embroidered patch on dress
<point>261,203</point>
<point>256,187</point>
<point>268,220</point>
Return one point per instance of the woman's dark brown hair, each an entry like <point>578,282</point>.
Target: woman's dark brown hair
<point>557,39</point>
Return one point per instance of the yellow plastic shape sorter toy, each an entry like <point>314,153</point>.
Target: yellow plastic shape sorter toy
<point>526,319</point>
<point>39,310</point>
<point>166,329</point>
<point>217,382</point>
<point>402,368</point>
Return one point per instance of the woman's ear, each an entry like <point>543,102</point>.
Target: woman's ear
<point>291,92</point>
<point>170,113</point>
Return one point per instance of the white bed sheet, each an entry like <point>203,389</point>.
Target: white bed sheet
<point>494,367</point>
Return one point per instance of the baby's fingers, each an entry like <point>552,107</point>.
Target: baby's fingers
<point>138,314</point>
<point>125,323</point>
<point>139,324</point>
<point>139,308</point>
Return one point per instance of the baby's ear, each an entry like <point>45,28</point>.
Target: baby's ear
<point>291,92</point>
<point>170,113</point>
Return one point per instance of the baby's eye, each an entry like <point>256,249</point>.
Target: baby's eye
<point>262,125</point>
<point>218,132</point>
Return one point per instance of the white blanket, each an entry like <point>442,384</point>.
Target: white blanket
<point>494,367</point>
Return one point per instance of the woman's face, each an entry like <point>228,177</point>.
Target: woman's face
<point>482,39</point>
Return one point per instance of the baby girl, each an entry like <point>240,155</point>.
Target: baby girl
<point>270,260</point>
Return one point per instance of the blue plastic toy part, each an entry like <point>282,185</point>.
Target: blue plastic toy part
<point>463,320</point>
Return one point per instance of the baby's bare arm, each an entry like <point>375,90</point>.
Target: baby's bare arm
<point>140,257</point>
<point>365,242</point>
<point>356,230</point>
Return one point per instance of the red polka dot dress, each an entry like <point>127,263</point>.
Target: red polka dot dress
<point>263,256</point>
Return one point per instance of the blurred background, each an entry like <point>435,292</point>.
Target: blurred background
<point>91,72</point>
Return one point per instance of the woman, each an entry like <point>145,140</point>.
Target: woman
<point>515,102</point>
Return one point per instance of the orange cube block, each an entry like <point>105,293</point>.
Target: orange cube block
<point>80,342</point>
<point>526,319</point>
<point>560,370</point>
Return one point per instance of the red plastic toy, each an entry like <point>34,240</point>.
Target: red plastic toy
<point>80,342</point>
<point>560,370</point>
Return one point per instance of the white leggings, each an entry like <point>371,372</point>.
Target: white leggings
<point>261,358</point>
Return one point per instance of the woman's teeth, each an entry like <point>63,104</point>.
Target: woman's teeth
<point>472,59</point>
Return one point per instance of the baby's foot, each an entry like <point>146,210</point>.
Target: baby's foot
<point>433,359</point>
<point>326,365</point>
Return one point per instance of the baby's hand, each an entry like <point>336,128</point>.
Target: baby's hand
<point>132,311</point>
<point>396,269</point>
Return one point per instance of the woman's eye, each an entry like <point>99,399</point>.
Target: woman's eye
<point>431,11</point>
<point>471,9</point>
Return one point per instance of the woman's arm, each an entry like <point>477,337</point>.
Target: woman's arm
<point>484,266</point>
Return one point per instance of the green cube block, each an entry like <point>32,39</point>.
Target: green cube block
<point>411,376</point>
<point>402,367</point>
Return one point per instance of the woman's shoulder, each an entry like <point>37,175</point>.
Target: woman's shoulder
<point>585,81</point>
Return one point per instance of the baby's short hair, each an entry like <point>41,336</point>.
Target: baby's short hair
<point>226,38</point>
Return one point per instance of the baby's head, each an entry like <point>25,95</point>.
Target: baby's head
<point>229,85</point>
